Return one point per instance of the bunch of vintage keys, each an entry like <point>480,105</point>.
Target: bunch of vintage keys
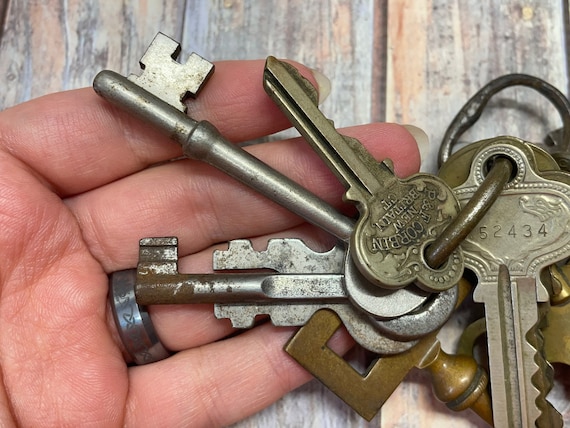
<point>499,207</point>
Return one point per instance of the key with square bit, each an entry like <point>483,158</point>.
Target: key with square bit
<point>302,282</point>
<point>398,217</point>
<point>526,230</point>
<point>156,97</point>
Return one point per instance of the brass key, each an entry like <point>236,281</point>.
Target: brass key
<point>398,217</point>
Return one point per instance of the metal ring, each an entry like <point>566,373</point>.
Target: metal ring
<point>133,321</point>
<point>471,214</point>
<point>429,318</point>
<point>472,110</point>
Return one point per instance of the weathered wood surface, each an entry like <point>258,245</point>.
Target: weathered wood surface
<point>398,60</point>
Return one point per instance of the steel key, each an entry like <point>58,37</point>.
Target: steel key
<point>157,99</point>
<point>308,282</point>
<point>526,230</point>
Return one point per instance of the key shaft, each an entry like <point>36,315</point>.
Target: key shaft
<point>202,141</point>
<point>238,287</point>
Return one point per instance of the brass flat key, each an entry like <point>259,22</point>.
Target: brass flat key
<point>398,217</point>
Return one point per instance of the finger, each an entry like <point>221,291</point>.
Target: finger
<point>77,141</point>
<point>203,206</point>
<point>222,382</point>
<point>187,326</point>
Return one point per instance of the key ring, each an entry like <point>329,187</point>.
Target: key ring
<point>471,111</point>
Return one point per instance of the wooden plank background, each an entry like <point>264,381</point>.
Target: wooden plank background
<point>406,61</point>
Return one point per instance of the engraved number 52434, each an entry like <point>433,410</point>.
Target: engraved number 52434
<point>525,230</point>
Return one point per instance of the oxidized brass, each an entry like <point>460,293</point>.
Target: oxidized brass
<point>457,380</point>
<point>557,330</point>
<point>456,170</point>
<point>470,215</point>
<point>398,217</point>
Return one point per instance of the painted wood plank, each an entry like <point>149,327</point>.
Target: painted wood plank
<point>334,37</point>
<point>439,53</point>
<point>52,46</point>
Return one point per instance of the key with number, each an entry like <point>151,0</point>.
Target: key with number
<point>526,230</point>
<point>398,217</point>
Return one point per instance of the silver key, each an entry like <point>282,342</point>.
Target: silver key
<point>156,97</point>
<point>398,217</point>
<point>525,230</point>
<point>292,294</point>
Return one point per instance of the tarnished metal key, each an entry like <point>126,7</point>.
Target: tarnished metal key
<point>398,217</point>
<point>302,282</point>
<point>526,230</point>
<point>156,97</point>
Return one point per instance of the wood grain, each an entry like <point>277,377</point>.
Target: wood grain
<point>405,61</point>
<point>440,55</point>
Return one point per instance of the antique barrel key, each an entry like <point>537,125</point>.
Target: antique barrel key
<point>398,217</point>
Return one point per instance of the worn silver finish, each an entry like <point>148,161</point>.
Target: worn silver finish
<point>363,329</point>
<point>290,298</point>
<point>202,141</point>
<point>398,218</point>
<point>167,79</point>
<point>378,302</point>
<point>288,256</point>
<point>527,229</point>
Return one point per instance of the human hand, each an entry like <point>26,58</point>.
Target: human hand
<point>76,195</point>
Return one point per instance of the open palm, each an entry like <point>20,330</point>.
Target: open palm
<point>76,195</point>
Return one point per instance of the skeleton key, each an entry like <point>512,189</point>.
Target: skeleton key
<point>305,282</point>
<point>526,230</point>
<point>398,217</point>
<point>156,97</point>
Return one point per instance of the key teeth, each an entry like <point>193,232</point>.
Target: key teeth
<point>543,378</point>
<point>238,317</point>
<point>284,255</point>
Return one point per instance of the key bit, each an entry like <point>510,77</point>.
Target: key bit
<point>166,78</point>
<point>457,380</point>
<point>531,237</point>
<point>282,255</point>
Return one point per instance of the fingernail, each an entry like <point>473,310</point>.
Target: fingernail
<point>323,83</point>
<point>422,140</point>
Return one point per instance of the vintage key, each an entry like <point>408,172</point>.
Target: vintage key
<point>398,217</point>
<point>303,282</point>
<point>156,97</point>
<point>526,230</point>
